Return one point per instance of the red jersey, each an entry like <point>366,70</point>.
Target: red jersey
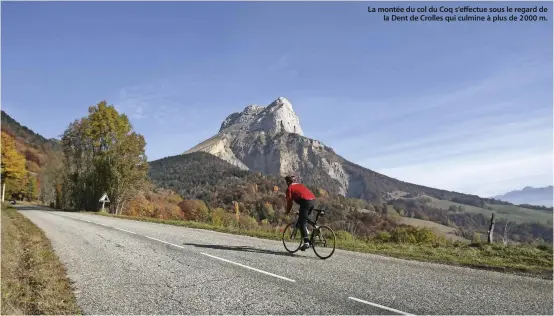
<point>297,192</point>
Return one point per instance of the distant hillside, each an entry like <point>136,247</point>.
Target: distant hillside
<point>200,175</point>
<point>38,151</point>
<point>529,196</point>
<point>206,177</point>
<point>218,183</point>
<point>27,135</point>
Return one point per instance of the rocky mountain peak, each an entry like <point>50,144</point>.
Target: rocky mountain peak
<point>253,108</point>
<point>276,117</point>
<point>269,139</point>
<point>281,101</point>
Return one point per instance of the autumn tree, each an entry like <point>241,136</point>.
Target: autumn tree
<point>32,189</point>
<point>50,182</point>
<point>13,167</point>
<point>194,210</point>
<point>102,154</point>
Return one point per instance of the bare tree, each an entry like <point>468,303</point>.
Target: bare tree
<point>353,228</point>
<point>491,230</point>
<point>506,233</point>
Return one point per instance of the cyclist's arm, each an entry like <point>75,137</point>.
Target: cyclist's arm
<point>289,201</point>
<point>289,206</point>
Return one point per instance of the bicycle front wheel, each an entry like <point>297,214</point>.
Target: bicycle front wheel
<point>323,242</point>
<point>292,238</point>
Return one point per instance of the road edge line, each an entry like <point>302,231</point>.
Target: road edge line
<point>379,306</point>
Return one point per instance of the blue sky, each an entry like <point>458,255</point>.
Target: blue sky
<point>465,106</point>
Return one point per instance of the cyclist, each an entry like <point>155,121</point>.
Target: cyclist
<point>298,193</point>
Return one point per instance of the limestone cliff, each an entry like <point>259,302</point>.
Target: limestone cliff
<point>270,140</point>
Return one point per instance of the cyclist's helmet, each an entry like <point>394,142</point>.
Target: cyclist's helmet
<point>290,179</point>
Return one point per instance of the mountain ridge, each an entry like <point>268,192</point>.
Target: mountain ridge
<point>15,129</point>
<point>269,139</point>
<point>38,150</point>
<point>539,196</point>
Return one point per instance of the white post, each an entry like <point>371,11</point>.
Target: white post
<point>3,190</point>
<point>103,202</point>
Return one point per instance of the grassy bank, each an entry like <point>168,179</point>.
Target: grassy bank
<point>525,260</point>
<point>33,279</point>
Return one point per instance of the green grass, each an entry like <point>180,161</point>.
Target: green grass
<point>523,214</point>
<point>511,212</point>
<point>33,279</point>
<point>526,260</point>
<point>439,229</point>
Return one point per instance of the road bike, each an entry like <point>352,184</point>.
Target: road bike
<point>320,237</point>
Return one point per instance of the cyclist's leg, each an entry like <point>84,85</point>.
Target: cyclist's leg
<point>306,208</point>
<point>302,218</point>
<point>311,206</point>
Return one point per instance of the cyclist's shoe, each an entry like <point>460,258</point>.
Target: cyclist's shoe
<point>305,246</point>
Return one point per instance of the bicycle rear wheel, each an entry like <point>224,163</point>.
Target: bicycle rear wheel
<point>292,238</point>
<point>323,242</point>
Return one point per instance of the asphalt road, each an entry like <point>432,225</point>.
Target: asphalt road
<point>129,267</point>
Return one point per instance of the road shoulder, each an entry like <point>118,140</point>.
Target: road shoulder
<point>34,281</point>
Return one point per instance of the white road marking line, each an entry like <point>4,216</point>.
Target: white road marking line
<point>165,242</point>
<point>178,246</point>
<point>127,231</point>
<point>84,220</point>
<point>380,306</point>
<point>248,267</point>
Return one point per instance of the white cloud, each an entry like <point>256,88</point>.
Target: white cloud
<point>170,119</point>
<point>484,175</point>
<point>282,63</point>
<point>489,137</point>
<point>485,161</point>
<point>479,136</point>
<point>142,101</point>
<point>283,67</point>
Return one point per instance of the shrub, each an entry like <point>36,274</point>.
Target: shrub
<point>545,247</point>
<point>383,237</point>
<point>425,235</point>
<point>476,239</point>
<point>229,220</point>
<point>343,235</point>
<point>413,235</point>
<point>195,210</point>
<point>247,222</point>
<point>217,217</point>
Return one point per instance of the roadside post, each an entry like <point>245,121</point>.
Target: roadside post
<point>104,199</point>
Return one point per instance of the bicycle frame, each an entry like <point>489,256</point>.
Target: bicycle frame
<point>308,221</point>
